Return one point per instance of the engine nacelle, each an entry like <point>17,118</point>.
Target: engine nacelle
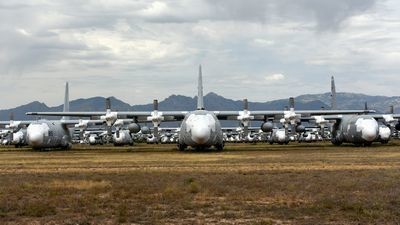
<point>134,128</point>
<point>145,130</point>
<point>267,127</point>
<point>300,128</point>
<point>384,133</point>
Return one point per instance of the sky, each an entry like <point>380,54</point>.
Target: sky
<point>143,50</point>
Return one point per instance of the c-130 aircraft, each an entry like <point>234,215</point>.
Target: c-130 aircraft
<point>201,128</point>
<point>48,134</point>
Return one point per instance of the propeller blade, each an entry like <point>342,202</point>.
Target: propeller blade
<point>109,134</point>
<point>155,104</point>
<point>245,104</point>
<point>11,116</point>
<point>156,134</point>
<point>391,109</point>
<point>117,132</point>
<point>291,102</point>
<point>108,104</point>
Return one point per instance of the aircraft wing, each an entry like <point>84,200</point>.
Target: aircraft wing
<point>90,122</point>
<point>74,114</point>
<point>140,116</point>
<point>262,115</point>
<point>384,116</point>
<point>22,122</point>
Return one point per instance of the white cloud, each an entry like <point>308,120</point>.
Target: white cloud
<point>156,8</point>
<point>275,77</point>
<point>126,48</point>
<point>23,32</point>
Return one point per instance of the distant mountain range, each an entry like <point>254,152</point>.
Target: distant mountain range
<point>214,101</point>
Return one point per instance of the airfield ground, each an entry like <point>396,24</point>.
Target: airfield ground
<point>245,184</point>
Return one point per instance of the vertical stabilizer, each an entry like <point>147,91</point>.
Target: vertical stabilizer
<point>66,101</point>
<point>200,100</point>
<point>333,94</point>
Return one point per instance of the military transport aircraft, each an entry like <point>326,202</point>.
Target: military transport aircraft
<point>201,128</point>
<point>358,129</point>
<point>48,134</point>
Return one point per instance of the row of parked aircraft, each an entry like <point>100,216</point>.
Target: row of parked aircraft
<point>201,128</point>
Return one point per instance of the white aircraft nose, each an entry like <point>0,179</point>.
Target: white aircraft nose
<point>36,138</point>
<point>16,138</point>
<point>369,134</point>
<point>200,134</point>
<point>281,136</point>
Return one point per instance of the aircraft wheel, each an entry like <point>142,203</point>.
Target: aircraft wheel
<point>368,144</point>
<point>219,147</point>
<point>182,147</point>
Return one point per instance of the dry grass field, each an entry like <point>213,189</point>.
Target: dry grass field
<point>244,184</point>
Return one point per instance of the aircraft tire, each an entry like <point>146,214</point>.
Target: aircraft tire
<point>182,147</point>
<point>219,147</point>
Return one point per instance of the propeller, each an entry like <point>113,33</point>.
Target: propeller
<point>290,117</point>
<point>245,117</point>
<point>321,122</point>
<point>14,126</point>
<point>82,125</point>
<point>156,118</point>
<point>110,118</point>
<point>118,125</point>
<point>389,120</point>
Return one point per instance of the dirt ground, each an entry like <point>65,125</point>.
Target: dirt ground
<point>314,183</point>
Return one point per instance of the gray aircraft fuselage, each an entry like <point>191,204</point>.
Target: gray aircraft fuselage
<point>124,138</point>
<point>200,129</point>
<point>356,129</point>
<point>279,136</point>
<point>44,134</point>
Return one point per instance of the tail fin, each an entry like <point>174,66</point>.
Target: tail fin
<point>200,100</point>
<point>333,93</point>
<point>66,101</point>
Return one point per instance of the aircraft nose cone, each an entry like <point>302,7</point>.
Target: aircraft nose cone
<point>16,139</point>
<point>200,135</point>
<point>369,134</point>
<point>36,138</point>
<point>281,136</point>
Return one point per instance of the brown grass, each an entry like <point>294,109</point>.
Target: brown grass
<point>245,184</point>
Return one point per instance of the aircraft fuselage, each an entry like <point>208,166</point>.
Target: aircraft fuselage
<point>356,129</point>
<point>200,129</point>
<point>45,134</point>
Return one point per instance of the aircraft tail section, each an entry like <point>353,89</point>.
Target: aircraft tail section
<point>200,100</point>
<point>333,94</point>
<point>66,101</point>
